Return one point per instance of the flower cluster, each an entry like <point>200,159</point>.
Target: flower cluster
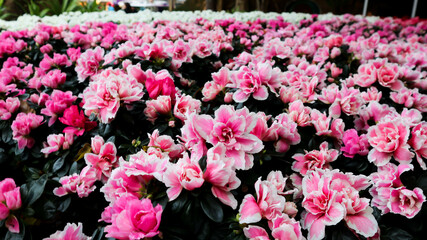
<point>263,128</point>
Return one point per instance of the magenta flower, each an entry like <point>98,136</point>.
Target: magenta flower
<point>353,144</point>
<point>76,121</point>
<point>160,83</point>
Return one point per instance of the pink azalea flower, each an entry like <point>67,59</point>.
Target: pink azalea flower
<point>372,94</point>
<point>384,181</point>
<point>58,60</point>
<point>22,126</point>
<point>59,101</point>
<point>255,233</point>
<point>286,131</point>
<point>82,184</point>
<point>331,196</point>
<point>77,122</point>
<point>232,129</point>
<point>387,76</point>
<point>53,78</point>
<point>185,174</point>
<point>314,159</point>
<point>248,83</point>
<point>191,137</point>
<point>147,165</point>
<point>299,114</point>
<point>103,161</point>
<point>389,139</point>
<point>276,178</point>
<point>220,80</point>
<point>119,184</point>
<point>132,218</point>
<point>418,142</point>
<point>8,107</point>
<point>184,105</point>
<point>166,144</point>
<point>159,106</point>
<point>219,172</point>
<point>55,142</point>
<point>181,51</point>
<point>284,227</point>
<point>70,232</point>
<point>406,202</point>
<point>109,88</point>
<point>268,204</point>
<point>353,144</point>
<point>88,63</point>
<point>160,83</point>
<point>10,199</point>
<point>74,54</point>
<point>347,101</point>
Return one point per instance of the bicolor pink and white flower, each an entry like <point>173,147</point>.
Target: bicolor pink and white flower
<point>132,218</point>
<point>389,139</point>
<point>70,232</point>
<point>232,129</point>
<point>107,91</point>
<point>220,173</point>
<point>268,204</point>
<point>185,174</point>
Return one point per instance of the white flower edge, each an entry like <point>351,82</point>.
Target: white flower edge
<point>73,18</point>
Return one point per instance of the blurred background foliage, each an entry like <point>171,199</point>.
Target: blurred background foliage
<point>11,9</point>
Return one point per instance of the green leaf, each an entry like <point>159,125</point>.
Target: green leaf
<point>35,190</point>
<point>111,139</point>
<point>73,168</point>
<point>49,209</point>
<point>211,207</point>
<point>180,202</point>
<point>64,204</point>
<point>58,164</point>
<point>396,233</point>
<point>6,135</point>
<point>98,234</point>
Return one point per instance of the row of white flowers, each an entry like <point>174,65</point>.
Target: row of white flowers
<point>74,18</point>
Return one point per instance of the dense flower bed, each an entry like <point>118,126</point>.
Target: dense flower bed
<point>215,130</point>
<point>73,18</point>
